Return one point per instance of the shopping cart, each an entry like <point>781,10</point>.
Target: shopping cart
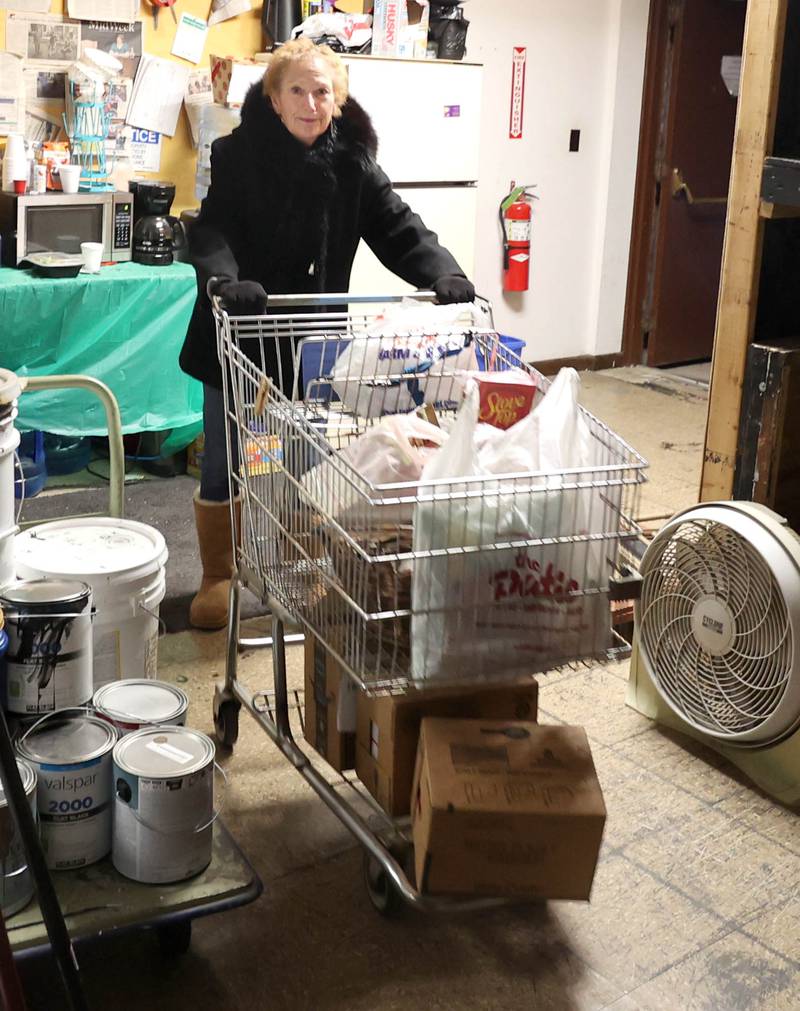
<point>343,559</point>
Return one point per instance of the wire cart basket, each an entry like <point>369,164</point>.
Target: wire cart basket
<point>407,584</point>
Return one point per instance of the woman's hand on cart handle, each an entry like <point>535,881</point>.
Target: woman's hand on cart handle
<point>453,288</point>
<point>239,298</point>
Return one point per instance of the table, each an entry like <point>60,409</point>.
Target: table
<point>97,900</point>
<point>124,326</point>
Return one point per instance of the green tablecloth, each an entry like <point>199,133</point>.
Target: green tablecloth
<point>124,326</point>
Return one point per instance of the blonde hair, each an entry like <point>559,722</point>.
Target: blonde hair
<point>302,49</point>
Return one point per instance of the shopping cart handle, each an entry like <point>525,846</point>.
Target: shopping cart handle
<point>343,298</point>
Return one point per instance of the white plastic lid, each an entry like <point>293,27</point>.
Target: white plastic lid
<point>164,752</point>
<point>139,700</point>
<point>83,548</point>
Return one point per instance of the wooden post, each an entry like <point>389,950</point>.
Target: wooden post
<point>741,258</point>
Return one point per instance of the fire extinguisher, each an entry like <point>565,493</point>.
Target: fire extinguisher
<point>515,220</point>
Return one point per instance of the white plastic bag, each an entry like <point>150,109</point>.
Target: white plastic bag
<point>518,606</point>
<point>407,357</point>
<point>394,450</point>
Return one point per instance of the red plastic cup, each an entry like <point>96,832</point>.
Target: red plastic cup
<point>20,186</point>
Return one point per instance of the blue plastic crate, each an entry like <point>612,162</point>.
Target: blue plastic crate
<point>513,344</point>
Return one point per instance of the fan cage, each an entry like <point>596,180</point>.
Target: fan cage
<point>736,692</point>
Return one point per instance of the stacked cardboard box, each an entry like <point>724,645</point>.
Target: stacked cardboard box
<point>505,808</point>
<point>387,730</point>
<point>400,28</point>
<point>325,683</point>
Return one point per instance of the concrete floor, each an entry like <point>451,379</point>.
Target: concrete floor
<point>694,902</point>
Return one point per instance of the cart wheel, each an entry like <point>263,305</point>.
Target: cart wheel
<point>382,893</point>
<point>226,723</point>
<point>175,938</point>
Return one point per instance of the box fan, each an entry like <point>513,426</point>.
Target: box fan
<point>717,638</point>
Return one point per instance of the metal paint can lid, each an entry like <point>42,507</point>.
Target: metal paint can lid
<point>68,740</point>
<point>46,595</point>
<point>164,752</point>
<point>28,776</point>
<point>141,700</point>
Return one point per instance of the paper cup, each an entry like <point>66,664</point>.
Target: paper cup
<point>70,176</point>
<point>91,254</point>
<point>20,186</point>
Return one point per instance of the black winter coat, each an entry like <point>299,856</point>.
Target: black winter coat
<point>291,216</point>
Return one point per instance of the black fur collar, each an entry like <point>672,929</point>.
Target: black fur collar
<point>352,134</point>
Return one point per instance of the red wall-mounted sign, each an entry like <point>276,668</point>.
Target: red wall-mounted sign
<point>517,92</point>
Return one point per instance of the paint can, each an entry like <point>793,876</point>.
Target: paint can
<point>16,883</point>
<point>125,564</point>
<point>48,662</point>
<point>140,702</point>
<point>72,758</point>
<point>163,804</point>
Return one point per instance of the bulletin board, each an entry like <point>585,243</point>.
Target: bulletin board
<point>240,35</point>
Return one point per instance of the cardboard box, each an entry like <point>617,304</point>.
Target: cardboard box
<point>324,683</point>
<point>387,730</point>
<point>231,78</point>
<point>400,28</point>
<point>506,809</point>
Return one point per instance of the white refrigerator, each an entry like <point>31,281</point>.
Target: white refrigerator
<point>427,117</point>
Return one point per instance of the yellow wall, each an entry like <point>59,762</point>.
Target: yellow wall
<point>240,36</point>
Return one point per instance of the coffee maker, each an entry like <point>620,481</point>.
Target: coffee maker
<point>158,237</point>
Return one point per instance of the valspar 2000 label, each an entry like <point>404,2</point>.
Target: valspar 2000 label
<point>75,812</point>
<point>72,758</point>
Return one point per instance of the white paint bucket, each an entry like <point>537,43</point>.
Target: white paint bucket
<point>72,758</point>
<point>163,804</point>
<point>136,703</point>
<point>10,389</point>
<point>16,883</point>
<point>48,663</point>
<point>123,561</point>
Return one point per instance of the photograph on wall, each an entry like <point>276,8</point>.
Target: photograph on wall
<point>45,85</point>
<point>121,40</point>
<point>50,85</point>
<point>46,38</point>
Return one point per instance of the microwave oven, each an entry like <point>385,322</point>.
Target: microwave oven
<point>60,222</point>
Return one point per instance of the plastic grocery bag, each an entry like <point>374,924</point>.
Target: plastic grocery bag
<point>393,450</point>
<point>509,571</point>
<point>405,359</point>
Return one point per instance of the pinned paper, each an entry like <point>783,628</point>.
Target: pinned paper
<point>12,94</point>
<point>158,95</point>
<point>145,150</point>
<point>190,38</point>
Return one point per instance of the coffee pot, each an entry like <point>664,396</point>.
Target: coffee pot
<point>158,237</point>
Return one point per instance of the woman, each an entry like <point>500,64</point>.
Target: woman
<point>293,189</point>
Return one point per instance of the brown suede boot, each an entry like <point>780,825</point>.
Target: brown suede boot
<point>209,608</point>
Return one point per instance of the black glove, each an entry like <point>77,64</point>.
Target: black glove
<point>453,288</point>
<point>241,298</point>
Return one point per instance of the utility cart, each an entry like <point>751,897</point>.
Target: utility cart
<point>393,577</point>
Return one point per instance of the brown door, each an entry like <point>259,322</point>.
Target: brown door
<point>684,166</point>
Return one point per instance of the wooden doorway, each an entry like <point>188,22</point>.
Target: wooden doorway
<point>685,149</point>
